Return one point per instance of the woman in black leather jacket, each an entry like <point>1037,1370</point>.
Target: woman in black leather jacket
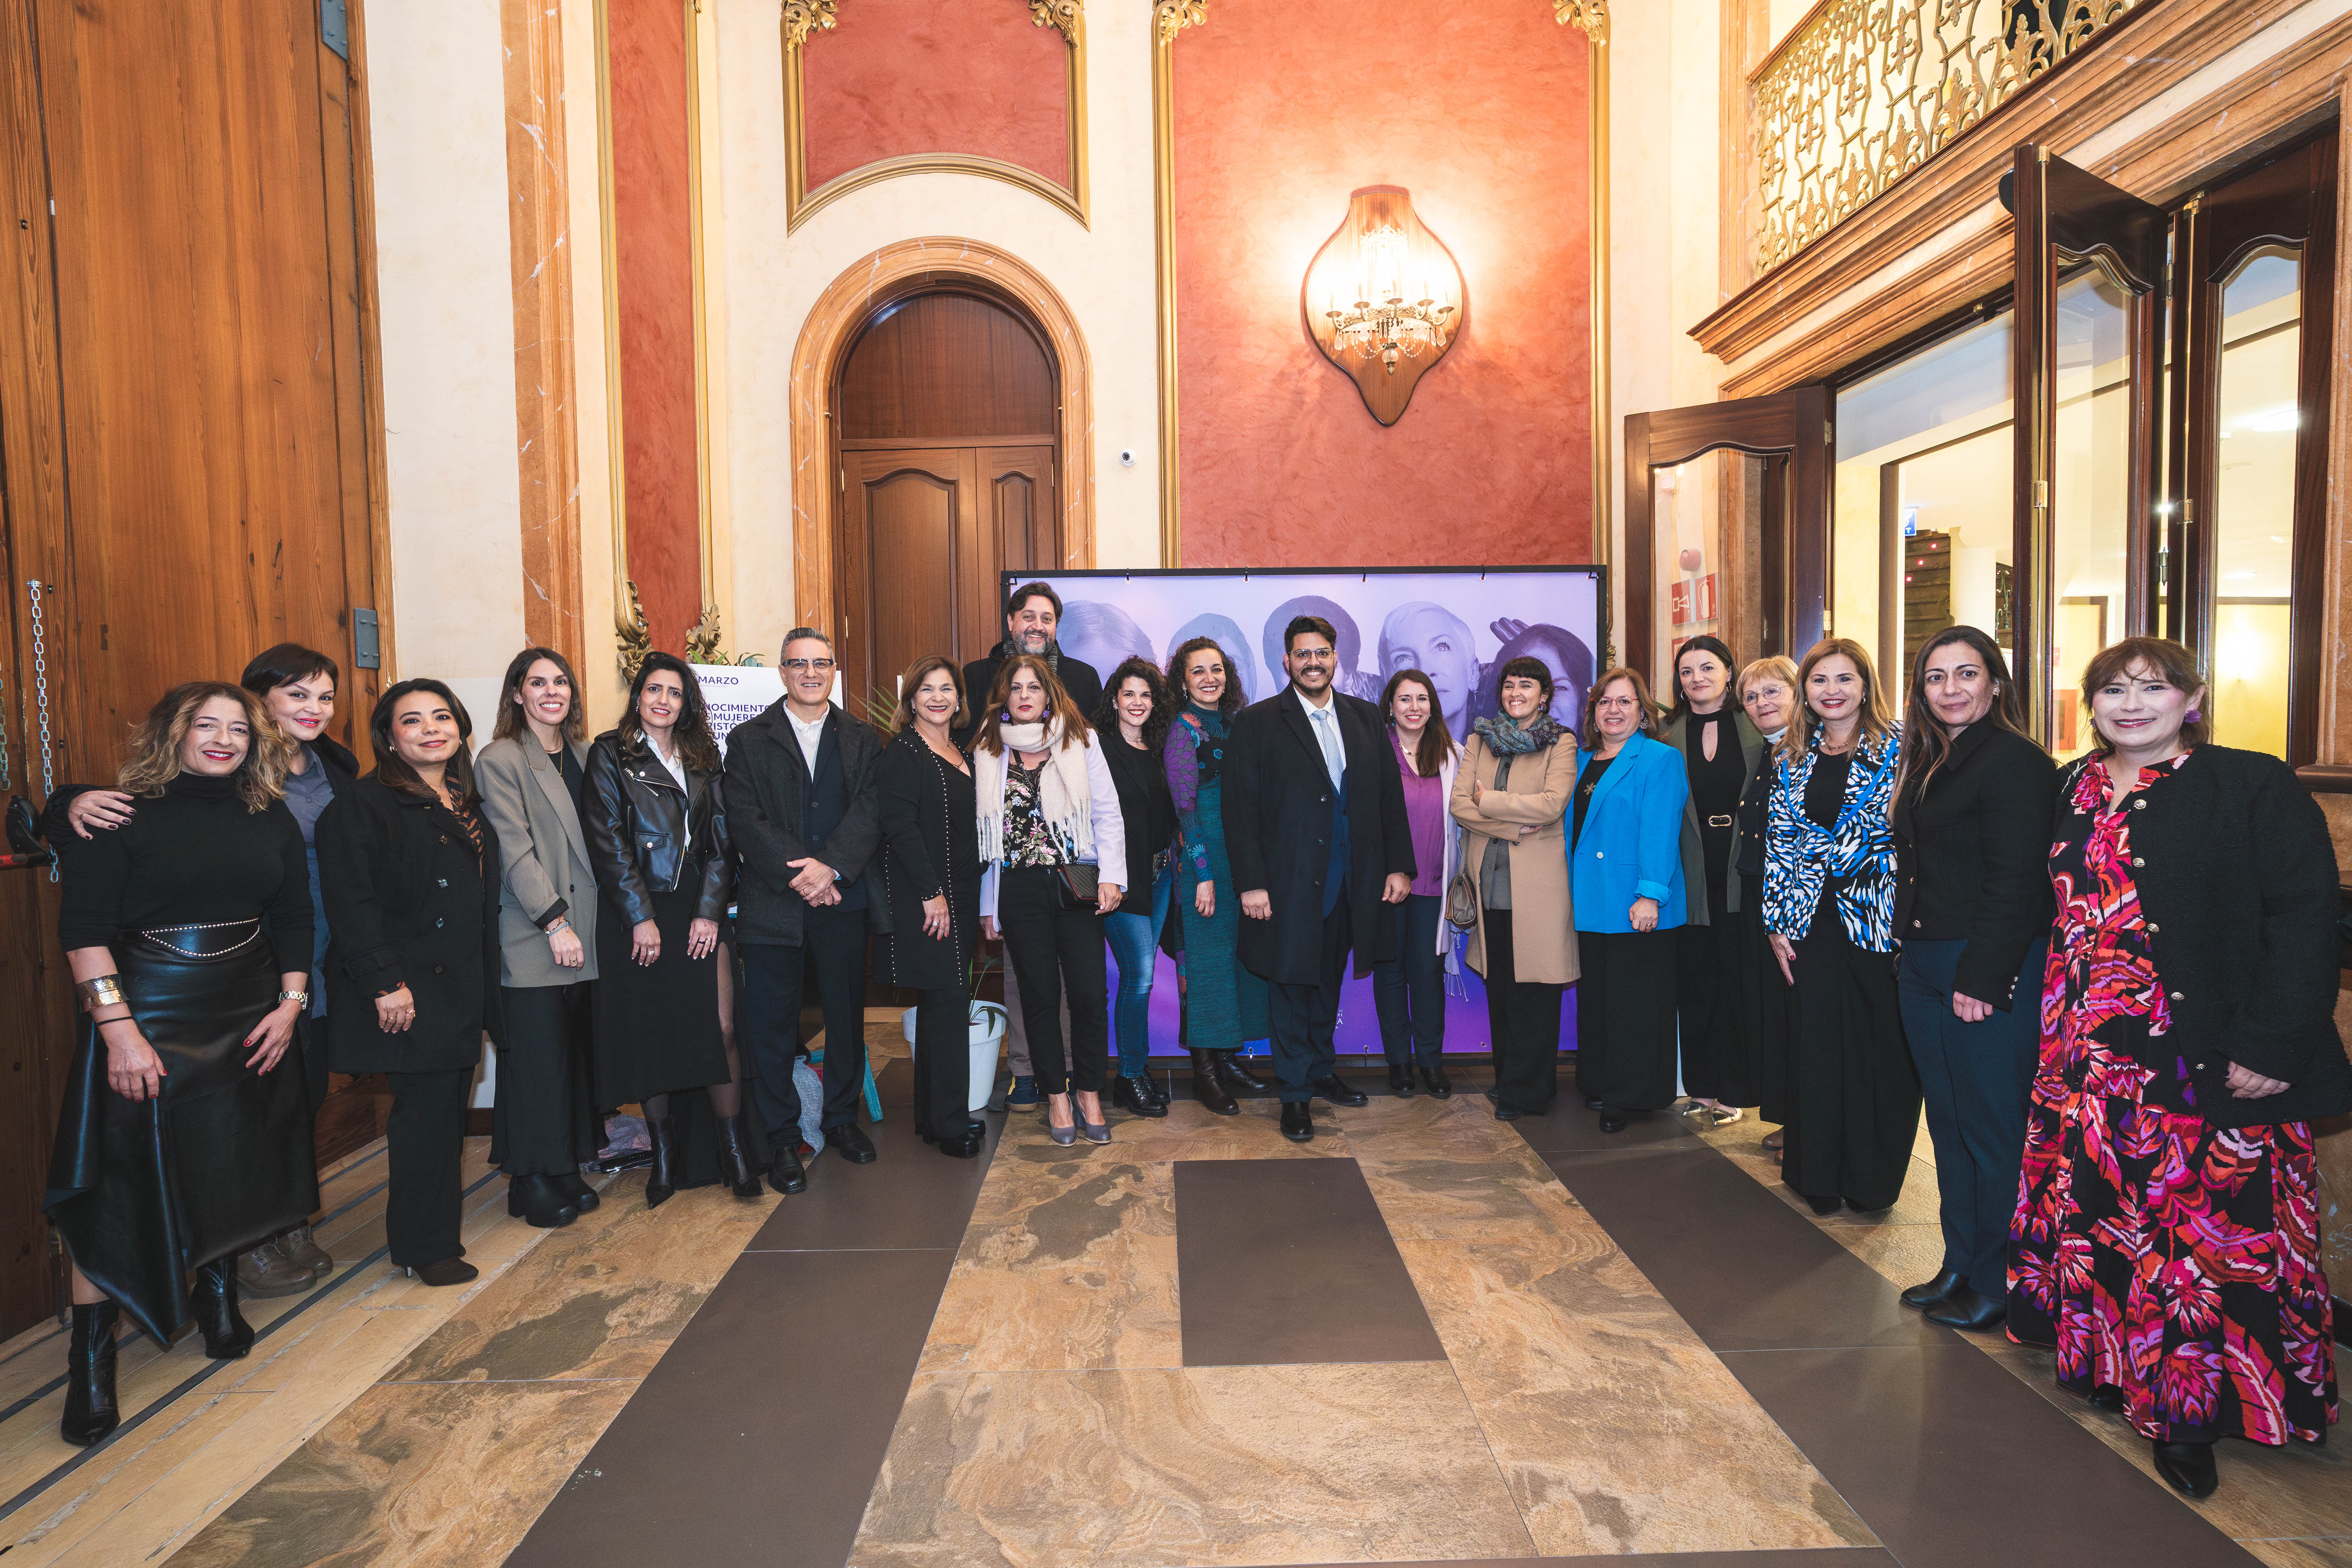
<point>665,999</point>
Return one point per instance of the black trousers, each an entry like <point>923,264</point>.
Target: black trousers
<point>1717,1048</point>
<point>546,1120</point>
<point>835,938</point>
<point>943,1062</point>
<point>425,1145</point>
<point>1522,1025</point>
<point>1856,1115</point>
<point>1051,948</point>
<point>1304,1016</point>
<point>310,1045</point>
<point>1977,1078</point>
<point>1626,1017</point>
<point>1408,990</point>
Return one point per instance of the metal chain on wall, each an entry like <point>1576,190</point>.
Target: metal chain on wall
<point>41,695</point>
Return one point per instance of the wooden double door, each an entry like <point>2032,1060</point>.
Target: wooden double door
<point>936,528</point>
<point>949,476</point>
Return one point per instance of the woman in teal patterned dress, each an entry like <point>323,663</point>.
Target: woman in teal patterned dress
<point>1224,1004</point>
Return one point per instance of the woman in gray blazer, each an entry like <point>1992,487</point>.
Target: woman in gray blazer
<point>532,777</point>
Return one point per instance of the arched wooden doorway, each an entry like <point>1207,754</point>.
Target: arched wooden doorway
<point>895,273</point>
<point>947,456</point>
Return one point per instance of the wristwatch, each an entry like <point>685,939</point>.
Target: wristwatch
<point>302,996</point>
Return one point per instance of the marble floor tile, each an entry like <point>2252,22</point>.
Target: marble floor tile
<point>2324,1552</point>
<point>63,1518</point>
<point>1066,1264</point>
<point>1616,1428</point>
<point>435,1474</point>
<point>1194,1466</point>
<point>601,1297</point>
<point>1506,1196</point>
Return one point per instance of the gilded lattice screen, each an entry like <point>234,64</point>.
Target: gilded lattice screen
<point>1867,90</point>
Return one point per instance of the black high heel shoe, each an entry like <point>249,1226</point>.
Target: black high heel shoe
<point>227,1336</point>
<point>661,1182</point>
<point>2189,1466</point>
<point>735,1167</point>
<point>91,1410</point>
<point>538,1202</point>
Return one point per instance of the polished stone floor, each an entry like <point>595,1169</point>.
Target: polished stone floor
<point>1426,1338</point>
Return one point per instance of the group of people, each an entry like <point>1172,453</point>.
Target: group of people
<point>1769,892</point>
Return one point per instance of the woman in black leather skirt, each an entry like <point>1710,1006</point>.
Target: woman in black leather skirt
<point>188,932</point>
<point>664,1003</point>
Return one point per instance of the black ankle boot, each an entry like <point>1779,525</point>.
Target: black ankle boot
<point>2188,1467</point>
<point>1138,1096</point>
<point>735,1167</point>
<point>540,1202</point>
<point>227,1336</point>
<point>90,1411</point>
<point>1207,1089</point>
<point>1238,1079</point>
<point>661,1182</point>
<point>576,1191</point>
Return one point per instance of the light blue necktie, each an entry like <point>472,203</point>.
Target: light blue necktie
<point>1326,734</point>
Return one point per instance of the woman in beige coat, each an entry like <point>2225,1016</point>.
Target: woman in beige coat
<point>532,778</point>
<point>1509,796</point>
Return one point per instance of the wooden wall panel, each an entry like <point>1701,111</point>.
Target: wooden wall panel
<point>188,443</point>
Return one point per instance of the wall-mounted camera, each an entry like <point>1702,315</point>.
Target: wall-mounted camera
<point>1127,457</point>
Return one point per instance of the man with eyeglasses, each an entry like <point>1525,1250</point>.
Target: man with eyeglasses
<point>801,810</point>
<point>1033,625</point>
<point>1314,824</point>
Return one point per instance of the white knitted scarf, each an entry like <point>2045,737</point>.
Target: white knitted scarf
<point>1063,799</point>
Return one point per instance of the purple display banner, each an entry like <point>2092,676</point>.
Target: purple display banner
<point>1460,628</point>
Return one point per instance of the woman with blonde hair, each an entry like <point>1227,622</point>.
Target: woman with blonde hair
<point>1829,904</point>
<point>1625,847</point>
<point>1768,695</point>
<point>1053,847</point>
<point>188,933</point>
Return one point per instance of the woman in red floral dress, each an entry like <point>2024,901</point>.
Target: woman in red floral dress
<point>2166,1238</point>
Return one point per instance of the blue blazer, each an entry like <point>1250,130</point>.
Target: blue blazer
<point>1631,844</point>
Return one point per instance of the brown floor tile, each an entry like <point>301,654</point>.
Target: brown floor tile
<point>1193,1466</point>
<point>1289,1260</point>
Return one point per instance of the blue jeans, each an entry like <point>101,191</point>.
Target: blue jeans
<point>1135,946</point>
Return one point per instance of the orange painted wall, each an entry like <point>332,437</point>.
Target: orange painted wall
<point>1280,112</point>
<point>897,77</point>
<point>654,253</point>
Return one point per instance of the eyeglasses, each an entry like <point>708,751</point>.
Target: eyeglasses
<point>819,664</point>
<point>1310,652</point>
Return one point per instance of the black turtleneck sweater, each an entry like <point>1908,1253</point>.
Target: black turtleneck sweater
<point>194,856</point>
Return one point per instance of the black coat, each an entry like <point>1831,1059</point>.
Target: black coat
<point>1972,858</point>
<point>2237,877</point>
<point>408,904</point>
<point>1147,809</point>
<point>931,843</point>
<point>647,835</point>
<point>766,786</point>
<point>1278,815</point>
<point>1082,680</point>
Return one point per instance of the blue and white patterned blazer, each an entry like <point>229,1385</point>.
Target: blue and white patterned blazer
<point>1800,855</point>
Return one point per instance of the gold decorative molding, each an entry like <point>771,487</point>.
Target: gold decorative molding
<point>634,642</point>
<point>627,615</point>
<point>803,17</point>
<point>1591,16</point>
<point>1863,91</point>
<point>707,578</point>
<point>834,321</point>
<point>1169,18</point>
<point>1065,14</point>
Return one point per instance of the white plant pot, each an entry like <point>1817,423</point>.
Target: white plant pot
<point>987,1041</point>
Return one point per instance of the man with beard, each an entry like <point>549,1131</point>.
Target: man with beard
<point>1314,824</point>
<point>1033,617</point>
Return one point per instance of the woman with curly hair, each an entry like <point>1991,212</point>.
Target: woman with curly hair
<point>188,932</point>
<point>1225,1003</point>
<point>1132,719</point>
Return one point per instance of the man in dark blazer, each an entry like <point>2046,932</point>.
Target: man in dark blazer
<point>1314,822</point>
<point>801,813</point>
<point>1033,625</point>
